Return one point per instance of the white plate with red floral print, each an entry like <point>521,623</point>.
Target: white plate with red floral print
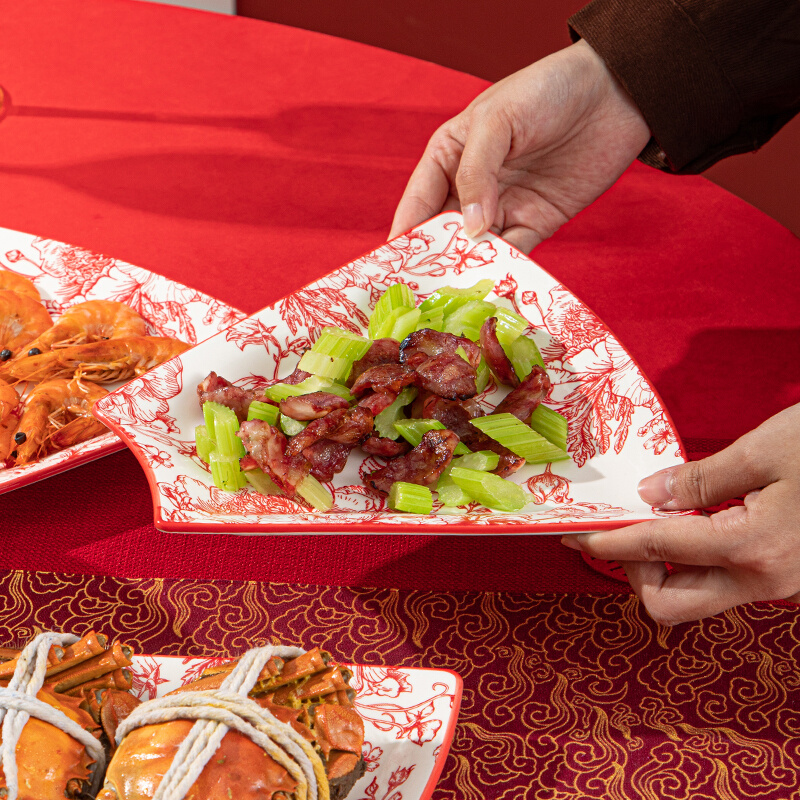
<point>409,718</point>
<point>618,429</point>
<point>66,275</point>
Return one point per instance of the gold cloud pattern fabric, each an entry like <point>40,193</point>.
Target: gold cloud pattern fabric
<point>565,696</point>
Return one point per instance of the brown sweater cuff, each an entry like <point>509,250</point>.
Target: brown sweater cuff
<point>685,98</point>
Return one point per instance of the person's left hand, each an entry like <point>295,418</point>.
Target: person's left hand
<point>739,555</point>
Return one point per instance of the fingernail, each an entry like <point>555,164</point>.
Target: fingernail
<point>473,219</point>
<point>571,542</point>
<point>656,489</point>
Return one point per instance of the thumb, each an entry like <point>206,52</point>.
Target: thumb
<point>485,149</point>
<point>699,484</point>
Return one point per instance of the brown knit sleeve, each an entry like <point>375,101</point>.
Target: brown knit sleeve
<point>712,78</point>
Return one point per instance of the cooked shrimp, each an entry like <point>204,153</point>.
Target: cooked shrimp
<point>101,362</point>
<point>52,406</point>
<point>22,319</point>
<point>91,321</point>
<point>9,400</point>
<point>8,428</point>
<point>14,282</point>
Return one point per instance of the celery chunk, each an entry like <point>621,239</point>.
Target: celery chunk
<point>519,438</point>
<point>450,493</point>
<point>490,490</point>
<point>551,425</point>
<point>524,356</point>
<point>280,391</point>
<point>341,344</point>
<point>410,497</point>
<point>509,327</point>
<point>399,295</point>
<point>450,297</point>
<point>332,367</point>
<point>412,430</point>
<point>203,443</point>
<point>482,460</point>
<point>291,427</point>
<point>468,319</point>
<point>482,375</point>
<point>315,494</point>
<point>405,324</point>
<point>265,411</point>
<point>225,472</point>
<point>385,420</point>
<point>432,318</point>
<point>261,482</point>
<point>222,425</point>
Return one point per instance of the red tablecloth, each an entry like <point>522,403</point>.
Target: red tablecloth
<point>247,159</point>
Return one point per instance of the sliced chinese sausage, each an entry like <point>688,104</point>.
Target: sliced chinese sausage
<point>423,465</point>
<point>522,401</point>
<point>495,356</point>
<point>312,406</point>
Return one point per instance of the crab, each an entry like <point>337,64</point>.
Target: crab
<point>88,683</point>
<point>309,692</point>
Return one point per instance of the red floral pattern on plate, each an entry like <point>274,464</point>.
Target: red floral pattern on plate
<point>409,719</point>
<point>619,430</point>
<point>66,275</point>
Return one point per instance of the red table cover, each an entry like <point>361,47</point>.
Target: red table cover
<point>247,159</point>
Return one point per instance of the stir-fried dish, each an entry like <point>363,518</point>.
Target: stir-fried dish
<point>408,393</point>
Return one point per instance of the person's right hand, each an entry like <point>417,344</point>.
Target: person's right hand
<point>530,152</point>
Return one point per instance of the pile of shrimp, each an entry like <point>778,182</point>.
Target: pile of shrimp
<point>50,371</point>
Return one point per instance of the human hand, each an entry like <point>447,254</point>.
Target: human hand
<point>530,152</point>
<point>739,555</point>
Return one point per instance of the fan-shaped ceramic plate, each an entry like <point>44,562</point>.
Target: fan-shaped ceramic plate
<point>65,275</point>
<point>618,430</point>
<point>409,718</point>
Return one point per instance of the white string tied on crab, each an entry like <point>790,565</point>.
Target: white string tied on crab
<point>229,708</point>
<point>18,703</point>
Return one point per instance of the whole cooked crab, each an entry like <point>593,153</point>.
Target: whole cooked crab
<point>85,683</point>
<point>307,692</point>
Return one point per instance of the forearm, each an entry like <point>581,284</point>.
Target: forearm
<point>712,78</point>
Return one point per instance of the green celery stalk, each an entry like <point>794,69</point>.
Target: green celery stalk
<point>412,430</point>
<point>432,318</point>
<point>331,367</point>
<point>490,490</point>
<point>384,330</point>
<point>385,420</point>
<point>524,355</point>
<point>341,344</point>
<point>225,472</point>
<point>291,427</point>
<point>450,493</point>
<point>410,497</point>
<point>519,438</point>
<point>482,375</point>
<point>482,460</point>
<point>451,297</point>
<point>399,295</point>
<point>261,482</point>
<point>468,319</point>
<point>265,411</point>
<point>315,494</point>
<point>222,425</point>
<point>405,324</point>
<point>509,327</point>
<point>551,425</point>
<point>280,391</point>
<point>204,444</point>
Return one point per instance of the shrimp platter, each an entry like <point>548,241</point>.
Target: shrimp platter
<point>50,370</point>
